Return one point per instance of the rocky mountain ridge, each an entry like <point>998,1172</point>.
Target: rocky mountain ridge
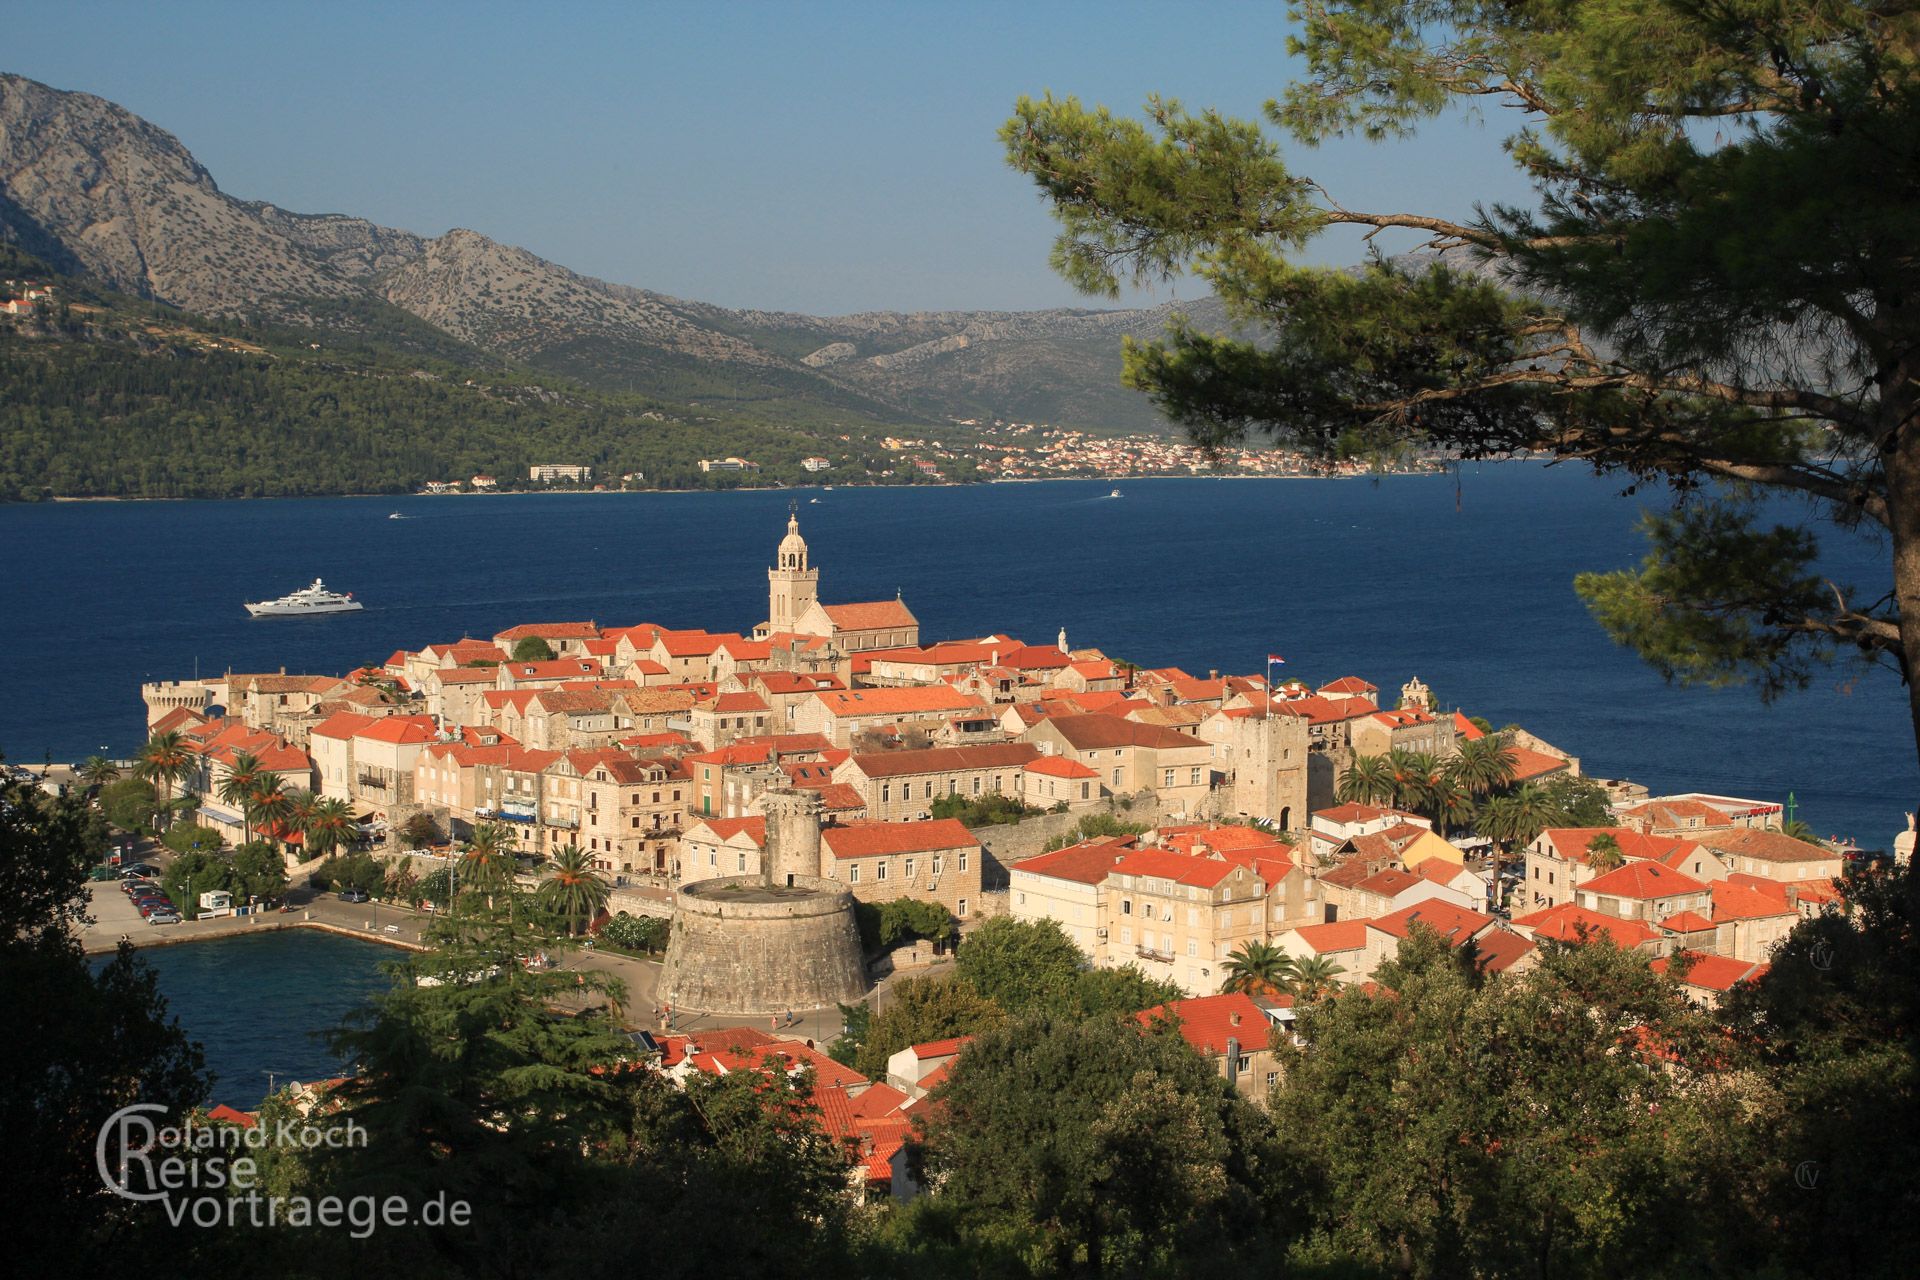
<point>94,189</point>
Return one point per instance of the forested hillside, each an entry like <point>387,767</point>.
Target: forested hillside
<point>103,395</point>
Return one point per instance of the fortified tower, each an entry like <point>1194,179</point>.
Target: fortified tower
<point>782,940</point>
<point>792,586</point>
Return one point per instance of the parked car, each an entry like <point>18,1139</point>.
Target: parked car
<point>164,917</point>
<point>355,895</point>
<point>139,870</point>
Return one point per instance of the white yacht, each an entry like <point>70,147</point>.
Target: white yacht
<point>1114,494</point>
<point>313,599</point>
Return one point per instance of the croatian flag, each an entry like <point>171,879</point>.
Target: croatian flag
<point>1274,657</point>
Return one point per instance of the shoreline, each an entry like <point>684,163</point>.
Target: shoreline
<point>168,938</point>
<point>787,488</point>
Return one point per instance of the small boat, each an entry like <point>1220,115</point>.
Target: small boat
<point>827,489</point>
<point>396,516</point>
<point>1114,494</point>
<point>813,502</point>
<point>313,599</point>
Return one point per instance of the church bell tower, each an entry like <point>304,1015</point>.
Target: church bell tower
<point>792,586</point>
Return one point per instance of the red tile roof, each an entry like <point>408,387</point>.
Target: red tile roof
<point>1181,868</point>
<point>550,631</point>
<point>727,828</point>
<point>1454,924</point>
<point>1466,728</point>
<point>1341,935</point>
<point>1568,923</point>
<point>1750,902</point>
<point>1349,684</point>
<point>1208,1022</point>
<point>1088,862</point>
<point>1714,973</point>
<point>1500,949</point>
<point>1686,922</point>
<point>917,700</point>
<point>872,615</point>
<point>1098,732</point>
<point>1641,879</point>
<point>1768,846</point>
<point>894,764</point>
<point>878,839</point>
<point>940,1048</point>
<point>1059,767</point>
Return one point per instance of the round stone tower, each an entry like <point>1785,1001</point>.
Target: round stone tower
<point>784,939</point>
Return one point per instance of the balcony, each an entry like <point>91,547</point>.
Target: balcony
<point>1158,957</point>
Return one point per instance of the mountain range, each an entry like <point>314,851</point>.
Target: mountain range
<point>95,191</point>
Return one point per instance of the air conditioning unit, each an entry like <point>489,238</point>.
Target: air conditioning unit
<point>1099,933</point>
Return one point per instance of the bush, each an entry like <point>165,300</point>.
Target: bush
<point>635,933</point>
<point>129,804</point>
<point>1093,826</point>
<point>982,811</point>
<point>887,924</point>
<point>183,837</point>
<point>533,649</point>
<point>351,871</point>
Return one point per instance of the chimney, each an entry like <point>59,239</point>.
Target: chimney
<point>1213,673</point>
<point>1234,1018</point>
<point>1233,1060</point>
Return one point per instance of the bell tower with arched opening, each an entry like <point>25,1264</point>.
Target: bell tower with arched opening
<point>792,585</point>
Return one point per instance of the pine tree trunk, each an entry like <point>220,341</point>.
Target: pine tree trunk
<point>1901,459</point>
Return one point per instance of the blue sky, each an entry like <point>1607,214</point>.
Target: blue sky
<point>825,157</point>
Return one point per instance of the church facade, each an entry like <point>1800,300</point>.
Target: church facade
<point>794,607</point>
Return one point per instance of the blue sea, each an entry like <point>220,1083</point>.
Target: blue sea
<point>1468,587</point>
<point>259,1006</point>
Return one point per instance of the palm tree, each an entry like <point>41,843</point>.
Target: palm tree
<point>1449,803</point>
<point>1416,779</point>
<point>1533,812</point>
<point>272,807</point>
<point>1368,780</point>
<point>1604,854</point>
<point>1314,977</point>
<point>327,826</point>
<point>96,771</point>
<point>1258,966</point>
<point>573,888</point>
<point>1800,831</point>
<point>243,777</point>
<point>164,759</point>
<point>1483,766</point>
<point>487,865</point>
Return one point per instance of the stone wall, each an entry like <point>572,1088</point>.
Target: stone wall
<point>1006,845</point>
<point>737,947</point>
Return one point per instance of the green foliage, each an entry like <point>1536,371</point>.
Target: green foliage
<point>186,837</point>
<point>532,649</point>
<point>258,871</point>
<point>1580,802</point>
<point>919,1010</point>
<point>884,925</point>
<point>982,811</point>
<point>135,399</point>
<point>1023,966</point>
<point>1837,1016</point>
<point>129,804</point>
<point>419,831</point>
<point>350,871</point>
<point>1605,1131</point>
<point>1094,1145</point>
<point>1604,854</point>
<point>573,890</point>
<point>635,933</point>
<point>1703,607</point>
<point>1696,292</point>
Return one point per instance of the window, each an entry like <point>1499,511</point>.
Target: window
<point>1116,776</point>
<point>880,869</point>
<point>1126,906</point>
<point>1193,948</point>
<point>937,860</point>
<point>1023,899</point>
<point>960,908</point>
<point>963,860</point>
<point>853,874</point>
<point>886,792</point>
<point>1273,1080</point>
<point>976,784</point>
<point>1168,780</point>
<point>1084,790</point>
<point>1196,776</point>
<point>1193,915</point>
<point>909,870</point>
<point>1126,934</point>
<point>743,860</point>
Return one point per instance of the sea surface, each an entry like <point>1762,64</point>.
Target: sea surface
<point>259,1006</point>
<point>1465,582</point>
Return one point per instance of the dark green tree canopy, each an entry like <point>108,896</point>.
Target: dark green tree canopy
<point>1714,285</point>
